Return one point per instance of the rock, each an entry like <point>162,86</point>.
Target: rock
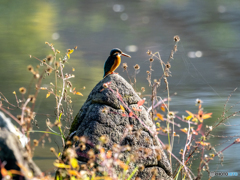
<point>12,152</point>
<point>101,115</point>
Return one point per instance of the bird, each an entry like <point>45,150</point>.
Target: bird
<point>113,61</point>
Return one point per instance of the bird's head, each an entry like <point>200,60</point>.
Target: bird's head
<point>117,52</point>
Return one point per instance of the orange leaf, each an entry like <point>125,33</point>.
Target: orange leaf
<point>130,114</point>
<point>4,171</point>
<point>102,150</point>
<point>205,143</point>
<point>22,167</point>
<point>109,154</point>
<point>160,116</point>
<point>73,172</point>
<point>200,106</point>
<point>78,93</point>
<point>135,109</point>
<point>175,134</point>
<point>189,113</point>
<point>13,171</point>
<point>162,108</point>
<point>159,129</point>
<point>122,164</point>
<point>122,108</point>
<point>194,132</point>
<point>124,115</point>
<point>185,130</point>
<point>141,102</point>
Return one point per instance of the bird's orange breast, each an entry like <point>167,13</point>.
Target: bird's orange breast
<point>116,63</point>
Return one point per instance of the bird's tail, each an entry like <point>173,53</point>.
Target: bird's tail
<point>105,74</point>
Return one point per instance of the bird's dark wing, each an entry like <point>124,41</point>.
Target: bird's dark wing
<point>108,65</point>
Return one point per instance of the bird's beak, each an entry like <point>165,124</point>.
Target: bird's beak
<point>123,54</point>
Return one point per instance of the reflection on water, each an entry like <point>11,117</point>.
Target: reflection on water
<point>206,65</point>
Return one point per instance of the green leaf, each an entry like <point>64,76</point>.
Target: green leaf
<point>45,132</point>
<point>60,127</point>
<point>52,129</point>
<point>132,174</point>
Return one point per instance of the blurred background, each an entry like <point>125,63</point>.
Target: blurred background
<point>206,65</point>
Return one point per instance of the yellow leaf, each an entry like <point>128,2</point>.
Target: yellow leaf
<point>188,118</point>
<point>14,92</point>
<point>122,108</point>
<point>68,56</point>
<point>61,165</point>
<point>202,143</point>
<point>103,177</point>
<point>71,51</point>
<point>78,93</point>
<point>48,94</point>
<point>74,163</point>
<point>206,116</point>
<point>72,178</point>
<point>195,120</point>
<point>160,116</point>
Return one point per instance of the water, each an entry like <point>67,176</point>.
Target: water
<point>206,65</point>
